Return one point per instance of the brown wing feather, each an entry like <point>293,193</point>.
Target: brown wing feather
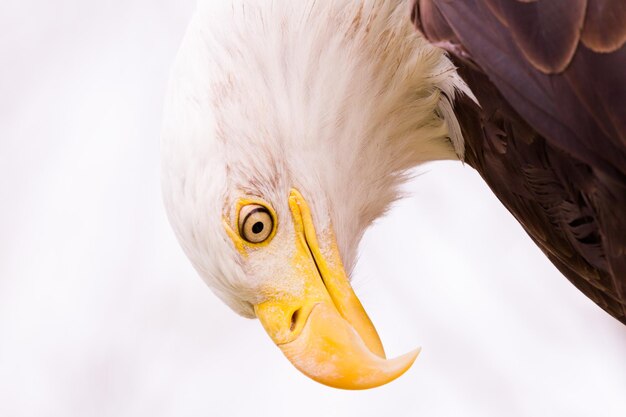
<point>548,47</point>
<point>549,136</point>
<point>605,28</point>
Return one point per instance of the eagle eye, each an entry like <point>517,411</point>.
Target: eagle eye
<point>255,223</point>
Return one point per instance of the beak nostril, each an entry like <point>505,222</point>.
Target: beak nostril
<point>294,319</point>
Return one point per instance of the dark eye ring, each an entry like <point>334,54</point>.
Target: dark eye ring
<point>255,223</point>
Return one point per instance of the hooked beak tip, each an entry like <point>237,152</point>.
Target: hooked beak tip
<point>331,352</point>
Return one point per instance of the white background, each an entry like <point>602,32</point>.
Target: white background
<point>101,314</point>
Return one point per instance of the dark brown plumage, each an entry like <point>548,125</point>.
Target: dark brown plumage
<point>549,136</point>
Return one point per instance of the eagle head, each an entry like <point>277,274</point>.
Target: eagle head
<point>288,129</point>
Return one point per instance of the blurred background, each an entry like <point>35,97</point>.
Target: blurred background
<point>102,315</point>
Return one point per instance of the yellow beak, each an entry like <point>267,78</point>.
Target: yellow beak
<point>324,331</point>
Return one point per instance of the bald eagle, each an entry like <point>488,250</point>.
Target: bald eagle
<point>290,125</point>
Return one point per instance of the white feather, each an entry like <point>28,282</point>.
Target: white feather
<point>335,98</point>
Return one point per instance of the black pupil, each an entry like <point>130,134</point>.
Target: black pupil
<point>257,228</point>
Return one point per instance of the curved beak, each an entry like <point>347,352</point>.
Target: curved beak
<point>324,330</point>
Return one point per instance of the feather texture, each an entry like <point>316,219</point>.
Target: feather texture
<point>549,136</point>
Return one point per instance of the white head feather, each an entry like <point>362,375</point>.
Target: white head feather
<point>335,98</point>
